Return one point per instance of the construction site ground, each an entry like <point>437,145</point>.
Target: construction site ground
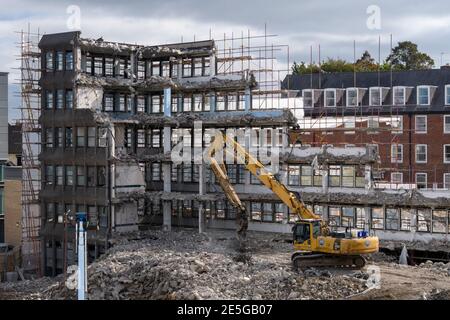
<point>183,264</point>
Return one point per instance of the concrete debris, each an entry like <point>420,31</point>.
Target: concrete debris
<point>187,265</point>
<point>438,295</point>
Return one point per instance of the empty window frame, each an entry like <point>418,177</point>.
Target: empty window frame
<point>373,123</point>
<point>187,103</point>
<point>423,95</point>
<point>397,124</point>
<point>187,172</point>
<point>109,67</point>
<point>220,102</point>
<point>122,103</point>
<point>49,104</point>
<point>49,137</point>
<point>165,69</point>
<point>421,180</point>
<point>206,102</point>
<point>377,218</point>
<point>334,216</point>
<point>392,218</point>
<point>88,64</point>
<point>156,138</point>
<point>49,175</point>
<point>440,221</point>
<point>446,153</point>
<point>122,67</point>
<point>348,176</point>
<point>396,153</point>
<point>352,97</point>
<point>330,97</point>
<point>424,220</point>
<point>59,138</point>
<point>421,124</point>
<point>69,99</point>
<point>81,137</point>
<point>397,177</point>
<point>141,70</point>
<point>102,137</point>
<point>140,107</point>
<point>187,68</point>
<point>81,176</point>
<point>59,172</point>
<point>101,176</point>
<point>141,138</point>
<point>306,175</point>
<point>334,176</point>
<point>256,211</point>
<point>206,66</point>
<point>421,153</point>
<point>69,175</point>
<point>128,143</point>
<point>360,218</point>
<point>399,96</point>
<point>198,67</point>
<point>69,137</point>
<point>90,176</point>
<point>348,217</point>
<point>108,102</point>
<point>59,99</point>
<point>174,104</point>
<point>446,180</point>
<point>198,102</point>
<point>156,171</point>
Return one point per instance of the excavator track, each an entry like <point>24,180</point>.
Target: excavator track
<point>309,259</point>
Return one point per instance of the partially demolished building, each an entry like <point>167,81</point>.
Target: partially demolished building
<point>112,113</point>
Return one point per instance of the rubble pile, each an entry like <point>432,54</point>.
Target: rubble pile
<point>436,267</point>
<point>186,265</point>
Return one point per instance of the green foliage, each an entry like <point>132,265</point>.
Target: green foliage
<point>406,56</point>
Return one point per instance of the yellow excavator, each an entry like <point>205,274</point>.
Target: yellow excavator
<point>315,244</point>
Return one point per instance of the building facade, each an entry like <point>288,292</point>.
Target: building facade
<point>3,146</point>
<point>405,113</point>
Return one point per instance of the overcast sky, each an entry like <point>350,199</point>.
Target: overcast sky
<point>332,24</point>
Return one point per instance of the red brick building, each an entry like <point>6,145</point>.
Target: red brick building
<point>407,114</point>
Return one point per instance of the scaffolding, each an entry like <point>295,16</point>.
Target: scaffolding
<point>30,70</point>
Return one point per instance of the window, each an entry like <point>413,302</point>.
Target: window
<point>108,103</point>
<point>156,104</point>
<point>128,138</point>
<point>440,221</point>
<point>59,175</point>
<point>69,60</point>
<point>102,137</point>
<point>421,124</point>
<point>348,217</point>
<point>397,177</point>
<point>49,61</point>
<point>174,104</point>
<point>232,102</point>
<point>69,176</point>
<point>392,218</point>
<point>306,175</point>
<point>141,138</point>
<point>59,137</point>
<point>174,69</point>
<point>334,216</point>
<point>446,153</point>
<point>50,212</point>
<point>140,104</point>
<point>399,96</point>
<point>206,103</point>
<point>198,102</point>
<point>141,70</point>
<point>447,124</point>
<point>421,180</point>
<point>187,103</point>
<point>88,65</point>
<point>397,125</point>
<point>335,176</point>
<point>352,97</point>
<point>49,175</point>
<point>156,138</point>
<point>91,137</point>
<point>92,216</point>
<point>375,96</point>
<point>69,99</point>
<point>405,219</point>
<point>59,61</point>
<point>373,123</point>
<point>424,220</point>
<point>59,99</point>
<point>49,99</point>
<point>330,98</point>
<point>69,138</point>
<point>293,175</point>
<point>348,176</point>
<point>81,137</point>
<point>447,95</point>
<point>109,67</point>
<point>187,173</point>
<point>122,68</point>
<point>421,153</point>
<point>396,153</point>
<point>122,103</point>
<point>349,123</point>
<point>241,101</point>
<point>220,103</point>
<point>156,68</point>
<point>166,69</point>
<point>446,180</point>
<point>49,138</point>
<point>156,172</point>
<point>423,95</point>
<point>206,66</point>
<point>187,68</point>
<point>198,67</point>
<point>98,66</point>
<point>377,218</point>
<point>81,176</point>
<point>307,98</point>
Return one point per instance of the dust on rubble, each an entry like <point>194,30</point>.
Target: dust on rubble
<point>186,265</point>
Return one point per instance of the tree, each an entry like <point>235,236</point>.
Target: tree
<point>302,68</point>
<point>366,63</point>
<point>406,56</point>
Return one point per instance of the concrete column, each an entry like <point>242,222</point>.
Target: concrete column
<point>112,181</point>
<point>167,214</point>
<point>324,172</point>
<point>212,101</point>
<point>368,177</point>
<point>413,221</point>
<point>367,217</point>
